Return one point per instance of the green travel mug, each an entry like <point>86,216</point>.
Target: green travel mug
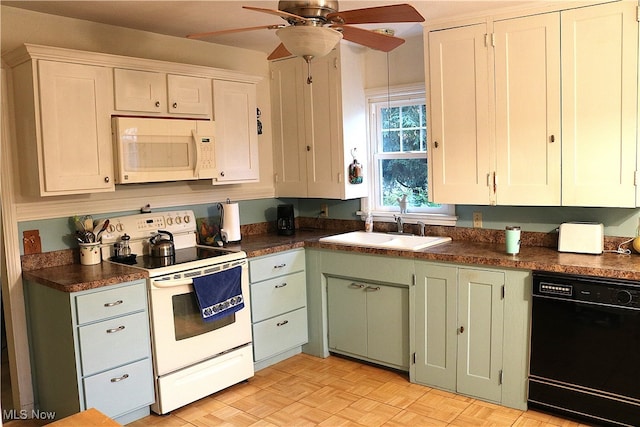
<point>512,239</point>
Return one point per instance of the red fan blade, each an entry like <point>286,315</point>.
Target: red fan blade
<point>279,52</point>
<point>377,15</point>
<point>370,39</point>
<point>281,13</point>
<point>233,30</point>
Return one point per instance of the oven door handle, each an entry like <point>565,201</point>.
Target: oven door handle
<point>170,283</point>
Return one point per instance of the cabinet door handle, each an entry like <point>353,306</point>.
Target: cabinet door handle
<point>158,104</point>
<point>107,179</point>
<point>114,330</point>
<point>461,330</point>
<point>436,144</point>
<point>282,323</point>
<point>552,138</point>
<point>124,377</point>
<point>356,285</point>
<point>283,265</point>
<point>373,288</point>
<point>113,304</point>
<point>281,286</point>
<point>175,105</point>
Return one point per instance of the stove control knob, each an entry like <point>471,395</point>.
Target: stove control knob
<point>119,227</point>
<point>178,220</point>
<point>169,221</point>
<point>187,219</point>
<point>111,228</point>
<point>623,297</point>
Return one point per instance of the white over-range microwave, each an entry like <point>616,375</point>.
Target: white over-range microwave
<point>161,149</point>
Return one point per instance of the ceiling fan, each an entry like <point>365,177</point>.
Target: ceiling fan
<point>316,26</point>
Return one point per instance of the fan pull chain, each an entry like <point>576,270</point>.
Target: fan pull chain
<point>308,58</point>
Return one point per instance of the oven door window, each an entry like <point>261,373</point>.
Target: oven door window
<point>187,320</point>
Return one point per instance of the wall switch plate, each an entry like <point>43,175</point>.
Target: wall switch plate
<point>324,210</point>
<point>477,220</point>
<point>31,242</point>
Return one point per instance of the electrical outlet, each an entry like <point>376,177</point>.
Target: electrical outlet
<point>324,210</point>
<point>477,220</point>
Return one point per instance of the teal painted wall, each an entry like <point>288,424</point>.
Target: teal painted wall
<point>57,233</point>
<point>617,221</point>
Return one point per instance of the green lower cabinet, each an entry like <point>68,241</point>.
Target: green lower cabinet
<point>91,349</point>
<point>480,320</point>
<point>369,321</point>
<point>471,331</point>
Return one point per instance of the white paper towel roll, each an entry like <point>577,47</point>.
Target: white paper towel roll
<point>230,231</point>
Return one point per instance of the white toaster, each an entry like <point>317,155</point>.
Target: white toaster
<point>581,237</point>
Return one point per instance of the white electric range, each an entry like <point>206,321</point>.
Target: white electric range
<point>191,358</point>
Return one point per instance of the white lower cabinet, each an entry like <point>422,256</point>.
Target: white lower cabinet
<point>369,320</point>
<point>91,349</point>
<point>278,306</point>
<point>471,331</point>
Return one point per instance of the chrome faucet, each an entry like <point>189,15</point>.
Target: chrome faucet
<point>421,225</point>
<point>399,223</point>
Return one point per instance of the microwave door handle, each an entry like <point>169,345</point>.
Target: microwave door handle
<point>195,137</point>
<point>171,283</point>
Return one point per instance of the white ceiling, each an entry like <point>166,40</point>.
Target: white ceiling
<point>179,18</point>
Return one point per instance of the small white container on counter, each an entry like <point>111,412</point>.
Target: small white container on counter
<point>90,253</point>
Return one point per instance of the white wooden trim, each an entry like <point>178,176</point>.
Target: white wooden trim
<point>124,200</point>
<point>12,289</point>
<point>32,51</point>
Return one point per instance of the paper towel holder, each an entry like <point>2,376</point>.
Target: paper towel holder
<point>229,222</point>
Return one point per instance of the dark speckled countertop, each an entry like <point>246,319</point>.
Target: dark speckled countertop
<point>465,252</point>
<point>75,277</point>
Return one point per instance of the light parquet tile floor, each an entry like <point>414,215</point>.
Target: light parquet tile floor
<point>309,391</point>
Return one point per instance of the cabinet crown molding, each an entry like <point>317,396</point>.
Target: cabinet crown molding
<point>33,51</point>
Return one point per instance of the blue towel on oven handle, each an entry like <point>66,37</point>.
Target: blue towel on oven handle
<point>219,294</point>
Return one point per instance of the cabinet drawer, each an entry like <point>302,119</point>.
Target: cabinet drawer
<point>112,302</point>
<point>276,265</point>
<point>120,390</point>
<point>113,342</point>
<point>280,295</point>
<point>279,334</point>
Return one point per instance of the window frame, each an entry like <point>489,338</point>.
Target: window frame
<point>444,215</point>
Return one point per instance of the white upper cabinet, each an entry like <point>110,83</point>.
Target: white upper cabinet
<point>153,92</point>
<point>527,119</point>
<point>495,113</point>
<point>460,141</point>
<point>289,134</point>
<point>317,125</point>
<point>64,128</point>
<point>536,110</point>
<point>236,144</point>
<point>600,102</point>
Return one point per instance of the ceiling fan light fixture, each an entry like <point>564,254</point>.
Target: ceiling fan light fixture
<point>309,41</point>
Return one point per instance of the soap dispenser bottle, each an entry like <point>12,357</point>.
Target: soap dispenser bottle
<point>368,223</point>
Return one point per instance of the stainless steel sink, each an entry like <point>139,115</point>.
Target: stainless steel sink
<point>405,242</point>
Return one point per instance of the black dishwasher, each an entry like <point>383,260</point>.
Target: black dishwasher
<point>585,348</point>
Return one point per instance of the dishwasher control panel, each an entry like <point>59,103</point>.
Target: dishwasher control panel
<point>598,290</point>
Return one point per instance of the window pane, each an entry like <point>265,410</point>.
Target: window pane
<point>390,141</point>
<point>390,118</point>
<point>423,119</point>
<point>411,116</point>
<point>411,140</point>
<point>404,176</point>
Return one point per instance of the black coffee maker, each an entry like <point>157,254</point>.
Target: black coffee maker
<point>286,223</point>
